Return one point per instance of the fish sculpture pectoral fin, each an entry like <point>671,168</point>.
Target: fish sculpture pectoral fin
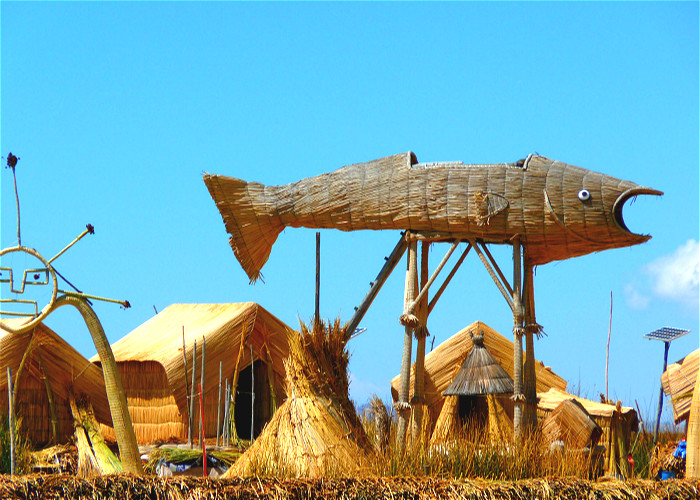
<point>253,229</point>
<point>488,204</point>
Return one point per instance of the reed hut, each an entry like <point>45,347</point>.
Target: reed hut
<point>476,395</point>
<point>246,339</point>
<point>316,432</point>
<point>46,372</point>
<point>617,423</point>
<point>445,361</point>
<point>678,382</point>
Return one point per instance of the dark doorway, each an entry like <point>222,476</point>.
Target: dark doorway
<point>245,405</point>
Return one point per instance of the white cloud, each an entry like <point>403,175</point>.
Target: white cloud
<point>677,276</point>
<point>634,298</point>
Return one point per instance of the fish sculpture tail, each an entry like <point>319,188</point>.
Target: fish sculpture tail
<point>253,231</point>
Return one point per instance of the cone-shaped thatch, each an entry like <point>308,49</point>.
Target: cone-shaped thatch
<point>316,432</point>
<point>480,374</point>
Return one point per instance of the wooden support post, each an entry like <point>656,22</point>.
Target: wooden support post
<point>531,329</point>
<point>376,285</point>
<point>403,407</point>
<point>518,330</point>
<point>495,278</point>
<point>418,401</point>
<point>425,284</point>
<point>317,316</point>
<point>437,295</point>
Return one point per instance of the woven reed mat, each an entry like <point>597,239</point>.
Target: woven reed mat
<point>127,486</point>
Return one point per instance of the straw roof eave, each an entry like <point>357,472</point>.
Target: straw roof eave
<point>66,369</point>
<point>223,326</point>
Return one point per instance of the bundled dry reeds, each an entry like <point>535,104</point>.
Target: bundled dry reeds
<point>678,382</point>
<point>571,423</point>
<point>316,432</point>
<point>186,488</point>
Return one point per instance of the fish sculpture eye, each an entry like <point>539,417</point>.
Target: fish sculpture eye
<point>584,195</point>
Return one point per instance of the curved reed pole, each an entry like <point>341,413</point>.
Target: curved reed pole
<point>123,428</point>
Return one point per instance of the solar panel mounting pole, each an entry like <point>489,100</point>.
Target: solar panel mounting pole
<point>666,335</point>
<point>661,394</point>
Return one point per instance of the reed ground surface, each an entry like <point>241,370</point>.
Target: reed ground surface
<point>185,488</point>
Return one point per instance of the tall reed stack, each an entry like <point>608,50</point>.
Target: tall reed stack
<point>316,431</point>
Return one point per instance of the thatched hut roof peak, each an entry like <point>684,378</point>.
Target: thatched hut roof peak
<point>480,373</point>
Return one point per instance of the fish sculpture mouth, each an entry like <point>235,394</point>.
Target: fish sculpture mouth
<point>620,203</point>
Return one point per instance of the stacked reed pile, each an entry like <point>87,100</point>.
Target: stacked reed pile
<point>186,488</point>
<point>316,432</point>
<point>572,424</point>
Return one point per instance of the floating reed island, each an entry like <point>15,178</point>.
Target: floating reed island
<point>128,486</point>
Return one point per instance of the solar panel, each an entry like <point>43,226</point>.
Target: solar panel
<point>666,334</point>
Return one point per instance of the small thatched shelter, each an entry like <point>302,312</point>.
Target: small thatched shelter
<point>678,382</point>
<point>150,361</point>
<point>443,363</point>
<point>316,432</point>
<point>49,371</point>
<point>473,395</point>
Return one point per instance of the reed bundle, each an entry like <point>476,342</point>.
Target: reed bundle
<point>316,431</point>
<point>678,382</point>
<point>190,488</point>
<point>571,423</point>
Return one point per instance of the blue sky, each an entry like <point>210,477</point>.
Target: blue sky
<point>116,110</point>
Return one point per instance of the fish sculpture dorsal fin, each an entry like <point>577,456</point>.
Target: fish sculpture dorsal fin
<point>488,204</point>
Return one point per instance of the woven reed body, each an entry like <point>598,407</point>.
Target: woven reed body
<point>445,200</point>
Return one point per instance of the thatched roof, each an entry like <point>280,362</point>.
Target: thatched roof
<point>442,364</point>
<point>224,327</point>
<point>65,368</point>
<point>678,382</point>
<point>480,374</point>
<point>552,398</point>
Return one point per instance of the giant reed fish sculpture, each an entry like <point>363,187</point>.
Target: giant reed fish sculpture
<point>557,210</point>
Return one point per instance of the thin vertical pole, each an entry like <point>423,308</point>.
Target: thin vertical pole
<point>317,316</point>
<point>607,347</point>
<point>518,397</point>
<point>403,406</point>
<point>11,419</point>
<point>661,395</point>
<point>201,385</point>
<point>194,379</point>
<point>218,405</point>
<point>187,387</point>
<point>252,392</point>
<point>201,422</point>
